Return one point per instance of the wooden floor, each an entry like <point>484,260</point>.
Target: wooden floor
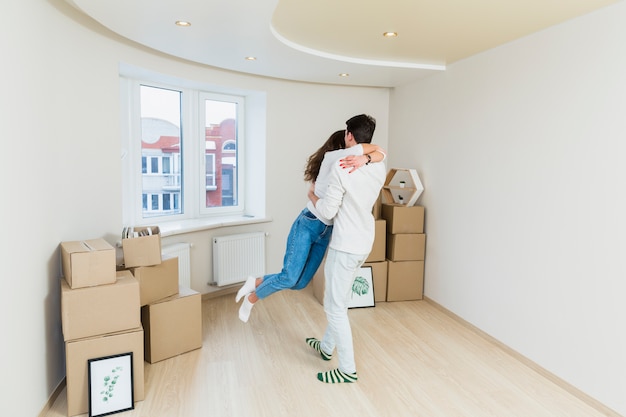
<point>412,358</point>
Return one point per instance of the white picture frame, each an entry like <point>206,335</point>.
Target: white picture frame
<point>362,294</point>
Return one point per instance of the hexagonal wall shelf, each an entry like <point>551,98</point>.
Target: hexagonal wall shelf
<point>402,186</point>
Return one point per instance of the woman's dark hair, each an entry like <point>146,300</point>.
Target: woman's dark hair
<point>334,142</point>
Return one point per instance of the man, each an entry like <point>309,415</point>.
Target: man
<point>349,199</point>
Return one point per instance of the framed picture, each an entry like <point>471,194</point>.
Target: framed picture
<point>362,289</point>
<point>110,384</point>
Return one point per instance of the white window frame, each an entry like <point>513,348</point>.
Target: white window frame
<point>193,148</point>
<point>201,146</point>
<point>252,197</point>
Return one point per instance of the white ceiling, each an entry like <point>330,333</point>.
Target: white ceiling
<point>316,40</point>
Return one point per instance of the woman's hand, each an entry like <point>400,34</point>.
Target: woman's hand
<point>353,162</point>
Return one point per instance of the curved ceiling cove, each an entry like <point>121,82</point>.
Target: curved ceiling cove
<point>316,41</point>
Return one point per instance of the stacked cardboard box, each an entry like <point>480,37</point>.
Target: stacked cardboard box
<point>377,261</point>
<point>173,325</point>
<point>170,315</point>
<point>99,316</point>
<point>136,307</point>
<point>405,251</point>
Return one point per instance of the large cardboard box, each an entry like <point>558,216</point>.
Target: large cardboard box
<point>405,280</point>
<point>93,311</point>
<point>158,281</point>
<point>88,262</point>
<point>403,219</point>
<point>378,248</point>
<point>379,277</point>
<point>172,326</point>
<point>78,352</point>
<point>142,250</point>
<point>406,247</point>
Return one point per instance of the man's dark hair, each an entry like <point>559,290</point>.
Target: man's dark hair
<point>362,128</point>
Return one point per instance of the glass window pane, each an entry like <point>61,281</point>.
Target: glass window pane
<point>221,153</point>
<point>160,142</point>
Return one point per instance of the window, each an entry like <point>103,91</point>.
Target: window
<point>184,149</point>
<point>193,153</point>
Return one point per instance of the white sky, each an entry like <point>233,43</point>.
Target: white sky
<point>165,104</point>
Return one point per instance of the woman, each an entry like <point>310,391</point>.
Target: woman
<point>310,232</point>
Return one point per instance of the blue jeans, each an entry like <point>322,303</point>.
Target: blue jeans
<point>306,246</point>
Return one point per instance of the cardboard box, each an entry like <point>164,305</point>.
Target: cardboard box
<point>406,247</point>
<point>172,326</point>
<point>78,352</point>
<point>144,250</point>
<point>378,248</point>
<point>403,219</point>
<point>93,311</point>
<point>379,276</point>
<point>405,280</point>
<point>158,281</point>
<point>88,262</point>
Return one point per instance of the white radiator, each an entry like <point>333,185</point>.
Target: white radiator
<point>236,257</point>
<point>182,251</point>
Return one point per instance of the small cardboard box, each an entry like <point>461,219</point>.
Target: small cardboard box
<point>405,280</point>
<point>158,281</point>
<point>172,326</point>
<point>378,248</point>
<point>142,250</point>
<point>77,354</point>
<point>379,276</point>
<point>88,262</point>
<point>403,219</point>
<point>92,311</point>
<point>406,247</point>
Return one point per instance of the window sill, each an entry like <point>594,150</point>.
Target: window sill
<point>196,225</point>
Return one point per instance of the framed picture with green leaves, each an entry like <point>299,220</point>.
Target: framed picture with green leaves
<point>362,294</point>
<point>110,384</point>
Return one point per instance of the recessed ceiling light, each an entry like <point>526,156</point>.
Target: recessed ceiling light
<point>250,58</point>
<point>390,34</point>
<point>183,23</point>
<point>344,74</point>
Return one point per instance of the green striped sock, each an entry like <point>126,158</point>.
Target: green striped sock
<point>315,344</point>
<point>336,377</point>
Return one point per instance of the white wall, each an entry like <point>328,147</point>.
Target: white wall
<point>522,152</point>
<point>59,117</point>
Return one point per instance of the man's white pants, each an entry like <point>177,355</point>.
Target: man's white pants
<point>340,271</point>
